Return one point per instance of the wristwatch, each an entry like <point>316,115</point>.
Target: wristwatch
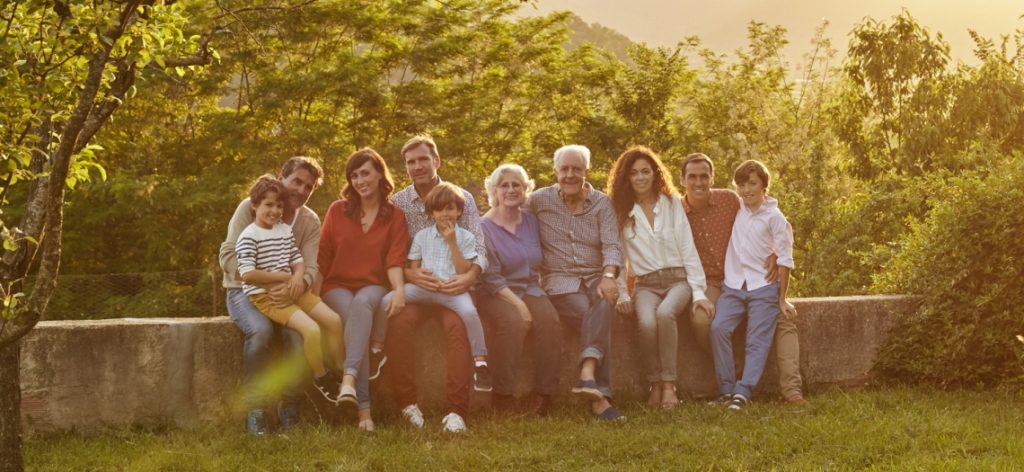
<point>609,275</point>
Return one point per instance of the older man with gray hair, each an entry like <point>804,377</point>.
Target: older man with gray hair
<point>582,256</point>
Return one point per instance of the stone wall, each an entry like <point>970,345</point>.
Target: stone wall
<point>91,375</point>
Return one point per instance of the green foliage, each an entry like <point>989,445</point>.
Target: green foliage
<point>965,261</point>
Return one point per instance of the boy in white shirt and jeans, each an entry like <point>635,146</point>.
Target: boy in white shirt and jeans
<point>759,230</point>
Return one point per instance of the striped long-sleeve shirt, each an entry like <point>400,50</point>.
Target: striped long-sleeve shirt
<point>271,250</point>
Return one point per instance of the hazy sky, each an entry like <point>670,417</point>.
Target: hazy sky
<point>721,25</point>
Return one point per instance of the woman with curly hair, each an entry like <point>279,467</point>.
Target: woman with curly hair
<point>661,255</point>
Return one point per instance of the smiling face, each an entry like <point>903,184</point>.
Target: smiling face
<point>365,180</point>
<point>571,171</point>
<point>421,165</point>
<point>269,210</point>
<point>752,191</point>
<point>642,178</point>
<point>697,179</point>
<point>300,185</point>
<point>511,190</point>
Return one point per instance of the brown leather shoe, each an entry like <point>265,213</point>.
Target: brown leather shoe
<point>541,405</point>
<point>796,400</point>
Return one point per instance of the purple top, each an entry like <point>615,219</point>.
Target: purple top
<point>513,260</point>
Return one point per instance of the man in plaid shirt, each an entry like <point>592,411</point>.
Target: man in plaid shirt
<point>582,256</point>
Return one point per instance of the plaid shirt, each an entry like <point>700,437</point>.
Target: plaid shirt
<point>431,248</point>
<point>576,247</point>
<point>417,219</point>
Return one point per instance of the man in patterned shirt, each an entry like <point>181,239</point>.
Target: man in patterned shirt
<point>421,163</point>
<point>580,242</point>
<point>711,212</point>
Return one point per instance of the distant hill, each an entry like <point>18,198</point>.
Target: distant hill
<point>722,26</point>
<point>599,35</point>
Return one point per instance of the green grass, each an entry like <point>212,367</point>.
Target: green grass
<point>897,429</point>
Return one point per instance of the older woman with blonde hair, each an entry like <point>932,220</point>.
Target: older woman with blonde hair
<point>512,301</point>
<point>661,254</point>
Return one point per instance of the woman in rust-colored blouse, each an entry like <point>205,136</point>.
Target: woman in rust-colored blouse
<point>363,246</point>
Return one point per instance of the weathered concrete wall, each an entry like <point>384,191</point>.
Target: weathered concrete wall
<point>113,373</point>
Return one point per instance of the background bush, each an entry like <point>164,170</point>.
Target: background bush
<point>965,260</point>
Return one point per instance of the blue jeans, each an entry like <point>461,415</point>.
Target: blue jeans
<point>587,312</point>
<point>259,333</point>
<point>358,312</point>
<point>761,307</point>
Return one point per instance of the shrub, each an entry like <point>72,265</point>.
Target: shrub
<point>966,261</point>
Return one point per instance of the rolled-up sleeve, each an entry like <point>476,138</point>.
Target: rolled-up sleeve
<point>782,239</point>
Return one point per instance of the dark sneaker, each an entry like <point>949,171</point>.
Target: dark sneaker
<point>288,415</point>
<point>377,361</point>
<point>721,400</point>
<point>329,386</point>
<point>256,422</point>
<point>588,390</point>
<point>610,414</point>
<point>738,403</point>
<point>482,379</point>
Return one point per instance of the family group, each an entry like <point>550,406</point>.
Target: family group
<point>348,294</point>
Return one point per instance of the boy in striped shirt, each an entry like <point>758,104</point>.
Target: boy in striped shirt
<point>267,254</point>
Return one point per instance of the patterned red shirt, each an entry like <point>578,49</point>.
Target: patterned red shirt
<point>712,227</point>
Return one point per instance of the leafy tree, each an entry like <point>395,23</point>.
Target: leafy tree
<point>67,68</point>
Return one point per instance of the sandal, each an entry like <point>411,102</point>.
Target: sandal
<point>654,396</point>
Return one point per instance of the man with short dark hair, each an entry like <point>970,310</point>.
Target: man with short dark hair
<point>421,163</point>
<point>300,175</point>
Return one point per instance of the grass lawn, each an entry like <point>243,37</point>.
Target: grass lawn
<point>899,429</point>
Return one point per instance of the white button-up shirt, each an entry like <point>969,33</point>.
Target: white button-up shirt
<point>667,244</point>
<point>754,236</point>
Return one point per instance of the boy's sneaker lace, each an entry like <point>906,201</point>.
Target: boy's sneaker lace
<point>482,378</point>
<point>453,423</point>
<point>738,402</point>
<point>329,385</point>
<point>413,414</point>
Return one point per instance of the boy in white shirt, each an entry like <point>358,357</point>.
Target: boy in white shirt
<point>759,230</point>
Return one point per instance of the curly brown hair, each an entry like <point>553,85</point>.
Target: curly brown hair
<point>620,191</point>
<point>387,183</point>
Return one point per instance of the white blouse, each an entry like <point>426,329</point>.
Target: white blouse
<point>669,243</point>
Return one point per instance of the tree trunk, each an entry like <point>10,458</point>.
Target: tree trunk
<point>10,408</point>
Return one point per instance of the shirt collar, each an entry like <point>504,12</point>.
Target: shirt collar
<point>769,203</point>
<point>586,186</point>
<point>690,209</point>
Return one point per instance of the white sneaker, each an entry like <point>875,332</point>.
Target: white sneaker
<point>414,415</point>
<point>453,423</point>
